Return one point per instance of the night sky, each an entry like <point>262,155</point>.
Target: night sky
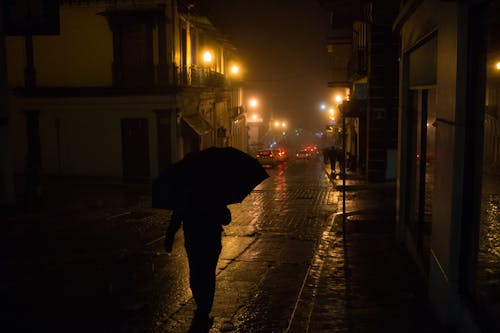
<point>283,45</point>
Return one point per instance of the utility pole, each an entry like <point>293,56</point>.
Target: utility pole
<point>343,168</point>
<point>32,188</point>
<point>7,188</point>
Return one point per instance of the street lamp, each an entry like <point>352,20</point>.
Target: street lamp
<point>331,114</point>
<point>253,103</point>
<point>207,57</point>
<point>254,116</point>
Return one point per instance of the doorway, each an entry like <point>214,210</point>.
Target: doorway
<point>135,148</point>
<point>421,166</point>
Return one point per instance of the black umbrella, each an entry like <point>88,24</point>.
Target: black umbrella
<point>214,175</point>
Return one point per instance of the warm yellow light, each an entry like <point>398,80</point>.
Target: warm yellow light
<point>283,124</point>
<point>338,98</point>
<point>207,56</point>
<point>253,102</point>
<point>254,117</point>
<point>276,123</point>
<point>498,65</point>
<point>331,111</point>
<point>235,69</point>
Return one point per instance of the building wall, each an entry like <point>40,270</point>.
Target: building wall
<point>82,136</point>
<point>382,101</point>
<point>444,253</point>
<point>82,55</point>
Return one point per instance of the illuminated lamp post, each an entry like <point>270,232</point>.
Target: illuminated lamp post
<point>207,57</point>
<point>237,134</point>
<point>254,121</point>
<point>207,61</point>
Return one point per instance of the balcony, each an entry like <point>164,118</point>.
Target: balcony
<point>196,76</point>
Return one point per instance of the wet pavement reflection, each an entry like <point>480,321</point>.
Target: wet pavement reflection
<point>92,258</point>
<point>98,265</point>
<point>488,268</point>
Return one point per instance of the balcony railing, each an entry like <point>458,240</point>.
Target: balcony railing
<point>196,76</point>
<point>160,76</point>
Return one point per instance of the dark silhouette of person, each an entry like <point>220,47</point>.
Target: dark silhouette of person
<point>202,240</point>
<point>326,152</point>
<point>341,158</point>
<point>333,156</point>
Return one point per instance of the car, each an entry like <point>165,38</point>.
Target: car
<point>303,154</point>
<point>280,154</point>
<point>267,157</point>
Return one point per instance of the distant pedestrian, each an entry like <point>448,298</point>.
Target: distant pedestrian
<point>326,151</point>
<point>341,158</point>
<point>202,240</point>
<point>333,156</point>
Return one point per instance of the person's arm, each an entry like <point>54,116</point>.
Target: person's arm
<point>173,226</point>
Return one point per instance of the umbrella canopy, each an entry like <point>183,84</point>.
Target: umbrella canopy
<point>214,175</point>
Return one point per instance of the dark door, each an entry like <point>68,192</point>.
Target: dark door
<point>135,148</point>
<point>164,139</point>
<point>421,131</point>
<point>136,55</point>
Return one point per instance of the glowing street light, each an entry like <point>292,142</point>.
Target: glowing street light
<point>254,116</point>
<point>235,69</point>
<point>497,65</point>
<point>338,98</point>
<point>331,114</point>
<point>207,57</point>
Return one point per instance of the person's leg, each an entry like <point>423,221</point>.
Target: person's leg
<point>207,288</point>
<point>202,267</point>
<point>194,273</point>
<point>333,163</point>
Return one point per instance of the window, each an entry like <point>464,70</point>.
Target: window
<point>132,48</point>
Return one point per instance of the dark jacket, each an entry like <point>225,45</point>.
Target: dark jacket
<point>202,226</point>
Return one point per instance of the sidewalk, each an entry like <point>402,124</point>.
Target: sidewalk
<point>361,279</point>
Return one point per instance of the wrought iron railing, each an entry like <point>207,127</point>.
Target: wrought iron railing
<point>160,76</point>
<point>197,76</point>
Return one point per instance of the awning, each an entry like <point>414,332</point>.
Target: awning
<point>198,124</point>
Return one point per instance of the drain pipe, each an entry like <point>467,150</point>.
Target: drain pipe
<point>343,168</point>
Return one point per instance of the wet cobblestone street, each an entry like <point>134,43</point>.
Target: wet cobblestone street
<point>92,261</point>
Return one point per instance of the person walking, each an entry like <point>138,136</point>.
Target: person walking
<point>341,158</point>
<point>332,156</point>
<point>202,227</point>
